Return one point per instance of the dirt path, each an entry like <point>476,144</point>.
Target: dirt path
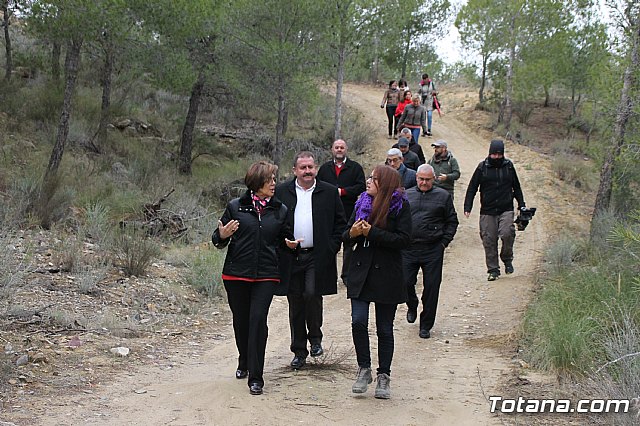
<point>443,380</point>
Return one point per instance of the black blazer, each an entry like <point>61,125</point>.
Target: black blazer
<point>351,179</point>
<point>328,224</point>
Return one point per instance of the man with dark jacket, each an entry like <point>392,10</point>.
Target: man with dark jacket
<point>413,145</point>
<point>435,223</point>
<point>348,176</point>
<point>316,217</point>
<point>499,185</point>
<point>395,160</point>
<point>410,159</point>
<point>445,166</point>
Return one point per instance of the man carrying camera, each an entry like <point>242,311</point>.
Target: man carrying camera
<point>499,185</point>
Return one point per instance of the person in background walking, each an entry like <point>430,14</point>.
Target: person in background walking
<point>391,98</point>
<point>406,100</point>
<point>379,228</point>
<point>435,223</point>
<point>348,176</point>
<point>409,158</point>
<point>445,166</point>
<point>413,145</point>
<point>403,86</point>
<point>395,159</point>
<point>317,218</point>
<point>255,228</point>
<point>414,117</point>
<point>499,185</point>
<point>427,92</point>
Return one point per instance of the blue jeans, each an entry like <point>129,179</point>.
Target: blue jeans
<point>416,134</point>
<point>385,314</point>
<point>429,119</point>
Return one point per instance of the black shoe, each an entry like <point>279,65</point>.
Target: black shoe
<point>425,334</point>
<point>412,314</point>
<point>255,388</point>
<point>316,349</point>
<point>241,374</point>
<point>493,276</point>
<point>508,268</point>
<point>298,362</point>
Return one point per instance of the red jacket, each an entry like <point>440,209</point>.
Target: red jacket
<point>400,107</point>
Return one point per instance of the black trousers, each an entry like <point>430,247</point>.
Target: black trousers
<point>305,306</point>
<point>249,303</point>
<point>429,258</point>
<point>385,314</point>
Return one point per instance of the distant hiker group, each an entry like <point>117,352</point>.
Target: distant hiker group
<point>283,240</point>
<point>405,110</point>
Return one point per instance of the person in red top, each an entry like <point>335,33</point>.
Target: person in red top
<point>403,103</point>
<point>254,227</point>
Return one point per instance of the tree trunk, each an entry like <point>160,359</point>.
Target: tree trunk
<point>277,148</point>
<point>339,83</point>
<point>375,71</point>
<point>625,109</point>
<point>7,40</point>
<point>483,78</point>
<point>508,108</point>
<point>107,72</point>
<point>71,75</point>
<point>405,57</point>
<point>186,145</point>
<point>546,97</point>
<point>56,51</point>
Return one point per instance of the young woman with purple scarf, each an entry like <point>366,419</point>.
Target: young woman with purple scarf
<point>379,228</point>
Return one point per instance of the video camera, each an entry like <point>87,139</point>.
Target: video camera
<point>524,216</point>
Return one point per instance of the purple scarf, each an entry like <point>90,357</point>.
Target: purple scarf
<point>365,202</point>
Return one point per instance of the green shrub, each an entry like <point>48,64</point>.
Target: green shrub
<point>205,271</point>
<point>134,251</point>
<point>574,305</point>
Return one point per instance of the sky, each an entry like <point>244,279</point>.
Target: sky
<point>448,48</point>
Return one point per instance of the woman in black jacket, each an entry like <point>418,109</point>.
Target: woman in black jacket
<point>379,228</point>
<point>255,228</point>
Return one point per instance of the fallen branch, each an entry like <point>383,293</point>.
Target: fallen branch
<point>617,360</point>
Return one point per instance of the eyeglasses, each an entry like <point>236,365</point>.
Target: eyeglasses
<point>394,160</point>
<point>373,178</point>
<point>421,179</point>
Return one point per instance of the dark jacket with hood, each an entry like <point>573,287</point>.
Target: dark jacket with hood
<point>498,183</point>
<point>254,248</point>
<point>448,166</point>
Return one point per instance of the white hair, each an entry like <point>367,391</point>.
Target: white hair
<point>394,151</point>
<point>425,168</point>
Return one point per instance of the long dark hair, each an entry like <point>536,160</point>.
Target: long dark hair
<point>387,180</point>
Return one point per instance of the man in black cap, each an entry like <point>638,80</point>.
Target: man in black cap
<point>445,166</point>
<point>410,159</point>
<point>413,145</point>
<point>499,185</point>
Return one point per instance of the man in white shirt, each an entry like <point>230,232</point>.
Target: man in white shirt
<point>317,219</point>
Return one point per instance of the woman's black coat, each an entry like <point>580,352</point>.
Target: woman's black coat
<point>255,247</point>
<point>328,224</point>
<point>375,269</point>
